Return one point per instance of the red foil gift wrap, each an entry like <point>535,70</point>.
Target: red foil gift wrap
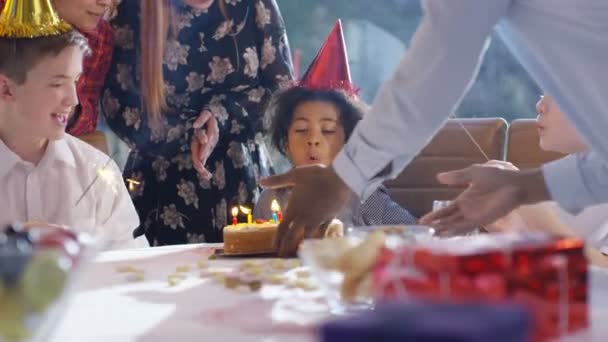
<point>546,273</point>
<point>554,288</point>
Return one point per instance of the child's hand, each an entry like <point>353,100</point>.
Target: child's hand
<point>204,141</point>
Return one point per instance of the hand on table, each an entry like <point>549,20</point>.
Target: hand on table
<point>491,194</point>
<point>204,141</point>
<point>317,196</point>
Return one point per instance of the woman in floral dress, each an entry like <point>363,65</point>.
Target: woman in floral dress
<point>225,57</point>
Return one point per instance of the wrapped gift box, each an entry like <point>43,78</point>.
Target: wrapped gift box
<point>546,273</point>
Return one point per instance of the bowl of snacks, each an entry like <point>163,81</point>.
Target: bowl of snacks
<point>396,234</point>
<point>343,266</point>
<point>37,269</point>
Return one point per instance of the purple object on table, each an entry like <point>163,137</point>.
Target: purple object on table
<point>433,322</point>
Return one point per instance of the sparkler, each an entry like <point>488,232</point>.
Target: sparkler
<point>101,173</point>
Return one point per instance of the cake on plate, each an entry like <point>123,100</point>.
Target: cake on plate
<point>249,238</point>
<point>258,238</point>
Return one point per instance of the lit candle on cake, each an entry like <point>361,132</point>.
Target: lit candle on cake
<point>275,207</point>
<point>235,212</point>
<point>247,212</point>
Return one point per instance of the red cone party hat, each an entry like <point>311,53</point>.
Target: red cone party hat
<point>329,70</point>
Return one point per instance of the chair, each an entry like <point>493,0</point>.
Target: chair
<point>96,139</point>
<point>451,148</point>
<point>522,146</point>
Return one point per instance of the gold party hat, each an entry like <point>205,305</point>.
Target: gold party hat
<point>30,19</point>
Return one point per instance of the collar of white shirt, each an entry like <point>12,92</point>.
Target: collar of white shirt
<point>57,150</point>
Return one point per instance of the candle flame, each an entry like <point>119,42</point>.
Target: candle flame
<point>245,210</point>
<point>235,211</point>
<point>274,206</point>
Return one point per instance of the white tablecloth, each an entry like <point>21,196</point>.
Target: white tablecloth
<point>107,307</point>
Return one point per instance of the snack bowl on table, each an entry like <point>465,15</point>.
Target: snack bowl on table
<point>321,256</point>
<point>343,266</point>
<point>38,270</point>
<point>396,234</point>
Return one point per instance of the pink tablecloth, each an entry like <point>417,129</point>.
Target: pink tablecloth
<point>107,307</point>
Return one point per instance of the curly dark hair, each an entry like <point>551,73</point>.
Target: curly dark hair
<point>282,108</point>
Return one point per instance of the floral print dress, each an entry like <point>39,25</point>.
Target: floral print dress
<point>228,65</point>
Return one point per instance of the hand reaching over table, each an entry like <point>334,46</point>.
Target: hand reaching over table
<point>491,194</point>
<point>317,196</point>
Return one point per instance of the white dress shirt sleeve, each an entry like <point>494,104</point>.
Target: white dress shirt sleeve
<point>577,181</point>
<point>116,214</point>
<point>429,82</point>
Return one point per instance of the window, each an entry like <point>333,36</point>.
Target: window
<point>377,34</point>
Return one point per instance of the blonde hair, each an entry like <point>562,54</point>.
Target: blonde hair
<point>158,21</point>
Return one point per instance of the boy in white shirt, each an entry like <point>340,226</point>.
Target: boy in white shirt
<point>44,171</point>
<point>559,135</point>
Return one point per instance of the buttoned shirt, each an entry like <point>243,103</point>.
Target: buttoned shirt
<point>50,190</point>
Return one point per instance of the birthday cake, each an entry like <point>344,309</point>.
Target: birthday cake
<point>258,238</point>
<point>249,238</point>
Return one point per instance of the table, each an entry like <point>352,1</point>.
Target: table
<point>107,307</point>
